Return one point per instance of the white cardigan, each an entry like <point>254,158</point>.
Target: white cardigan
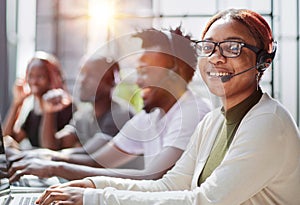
<point>261,167</point>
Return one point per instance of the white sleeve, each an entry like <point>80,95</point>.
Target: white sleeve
<point>129,137</point>
<point>111,195</point>
<point>183,124</point>
<point>92,196</point>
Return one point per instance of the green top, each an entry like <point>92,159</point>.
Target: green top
<point>233,117</point>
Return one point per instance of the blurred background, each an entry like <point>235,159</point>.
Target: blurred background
<point>71,28</point>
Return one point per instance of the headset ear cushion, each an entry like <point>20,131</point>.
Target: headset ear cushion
<point>263,60</point>
<point>261,57</point>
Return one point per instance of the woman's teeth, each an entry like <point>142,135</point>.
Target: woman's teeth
<point>218,74</point>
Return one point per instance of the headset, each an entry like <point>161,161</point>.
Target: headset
<point>264,59</point>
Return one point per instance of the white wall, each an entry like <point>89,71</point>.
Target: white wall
<point>25,34</point>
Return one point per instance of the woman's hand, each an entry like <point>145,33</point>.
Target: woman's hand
<point>20,91</point>
<point>68,193</point>
<point>55,100</point>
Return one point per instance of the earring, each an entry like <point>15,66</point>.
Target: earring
<point>257,80</point>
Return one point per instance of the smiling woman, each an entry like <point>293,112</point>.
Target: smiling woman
<point>229,55</point>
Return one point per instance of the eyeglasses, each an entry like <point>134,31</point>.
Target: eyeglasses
<point>228,49</point>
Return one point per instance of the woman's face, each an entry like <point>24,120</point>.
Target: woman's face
<point>238,87</point>
<point>38,78</point>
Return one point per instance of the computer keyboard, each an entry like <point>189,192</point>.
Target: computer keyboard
<point>28,201</point>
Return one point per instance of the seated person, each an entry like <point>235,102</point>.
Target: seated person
<point>160,132</point>
<point>97,112</point>
<point>25,117</point>
<point>246,152</point>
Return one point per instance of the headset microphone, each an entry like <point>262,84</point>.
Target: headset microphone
<point>260,67</point>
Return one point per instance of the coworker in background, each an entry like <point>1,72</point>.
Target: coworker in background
<point>160,132</point>
<point>25,118</point>
<point>246,152</point>
<point>99,117</point>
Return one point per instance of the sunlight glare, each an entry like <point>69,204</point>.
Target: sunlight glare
<point>101,11</point>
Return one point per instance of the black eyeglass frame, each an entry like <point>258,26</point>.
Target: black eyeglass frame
<point>252,48</point>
